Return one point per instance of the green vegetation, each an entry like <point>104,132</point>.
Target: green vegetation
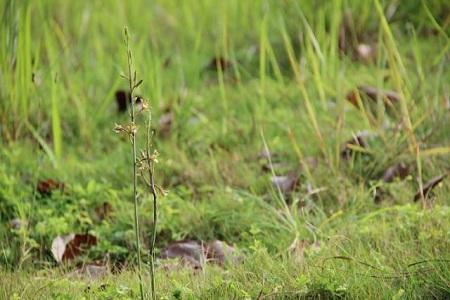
<point>320,98</point>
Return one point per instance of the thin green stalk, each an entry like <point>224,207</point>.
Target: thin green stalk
<point>132,85</point>
<point>155,215</point>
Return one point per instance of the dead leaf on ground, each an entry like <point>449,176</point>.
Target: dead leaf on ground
<point>389,97</point>
<point>266,158</point>
<point>219,252</point>
<point>426,189</point>
<point>286,184</point>
<point>399,170</point>
<point>189,252</point>
<point>196,253</point>
<point>276,167</point>
<point>266,155</point>
<point>374,93</point>
<point>67,247</point>
<point>94,270</point>
<point>351,146</point>
<point>217,63</point>
<point>45,187</point>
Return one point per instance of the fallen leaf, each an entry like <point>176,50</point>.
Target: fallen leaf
<point>399,170</point>
<point>426,189</point>
<point>389,97</point>
<point>286,184</point>
<point>91,270</point>
<point>59,245</point>
<point>45,187</point>
<point>67,247</point>
<point>219,252</point>
<point>217,63</point>
<point>266,157</point>
<point>277,167</point>
<point>357,140</point>
<point>266,154</point>
<point>94,270</point>
<point>197,253</point>
<point>187,251</point>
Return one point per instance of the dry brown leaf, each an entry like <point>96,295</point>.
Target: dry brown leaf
<point>67,247</point>
<point>94,270</point>
<point>45,187</point>
<point>286,184</point>
<point>267,167</point>
<point>266,158</point>
<point>426,189</point>
<point>389,98</point>
<point>266,155</point>
<point>374,93</point>
<point>217,63</point>
<point>187,251</point>
<point>359,140</point>
<point>219,252</point>
<point>197,253</point>
<point>399,170</point>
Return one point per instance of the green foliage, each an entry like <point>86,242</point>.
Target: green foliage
<point>287,79</point>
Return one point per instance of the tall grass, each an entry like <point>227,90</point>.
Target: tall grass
<point>288,81</point>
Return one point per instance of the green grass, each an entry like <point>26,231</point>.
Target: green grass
<point>286,89</point>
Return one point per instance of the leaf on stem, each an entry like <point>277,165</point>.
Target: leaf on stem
<point>138,84</point>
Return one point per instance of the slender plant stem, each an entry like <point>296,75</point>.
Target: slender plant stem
<point>155,215</point>
<point>133,141</point>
